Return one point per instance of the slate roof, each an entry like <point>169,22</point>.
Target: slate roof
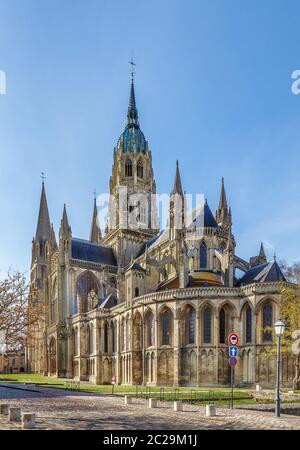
<point>264,273</point>
<point>135,266</point>
<point>109,302</point>
<point>87,251</point>
<point>204,217</point>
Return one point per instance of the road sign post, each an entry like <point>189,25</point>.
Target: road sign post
<point>233,353</point>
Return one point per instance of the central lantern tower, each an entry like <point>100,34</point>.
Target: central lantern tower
<point>132,206</point>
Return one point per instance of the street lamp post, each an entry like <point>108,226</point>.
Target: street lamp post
<point>279,329</point>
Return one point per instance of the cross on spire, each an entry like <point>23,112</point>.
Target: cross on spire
<point>43,176</point>
<point>132,63</point>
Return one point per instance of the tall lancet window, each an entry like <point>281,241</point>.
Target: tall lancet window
<point>128,168</point>
<point>207,325</point>
<point>165,320</point>
<point>191,322</point>
<point>248,325</point>
<point>222,326</point>
<point>203,255</point>
<point>140,169</point>
<point>267,322</point>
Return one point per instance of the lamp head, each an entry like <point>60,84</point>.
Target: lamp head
<point>279,328</point>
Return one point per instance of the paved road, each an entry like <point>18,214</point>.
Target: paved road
<point>59,409</point>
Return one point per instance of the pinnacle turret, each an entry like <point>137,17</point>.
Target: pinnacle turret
<point>223,214</point>
<point>177,188</point>
<point>64,226</point>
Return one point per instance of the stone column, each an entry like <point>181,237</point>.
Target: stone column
<point>198,344</point>
<point>98,351</point>
<point>157,344</point>
<point>69,373</point>
<point>46,362</point>
<point>82,353</point>
<point>118,359</point>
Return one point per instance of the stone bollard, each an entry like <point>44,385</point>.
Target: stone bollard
<point>178,406</point>
<point>128,400</point>
<point>4,407</point>
<point>210,411</point>
<point>28,421</point>
<point>15,414</point>
<point>258,387</point>
<point>152,403</point>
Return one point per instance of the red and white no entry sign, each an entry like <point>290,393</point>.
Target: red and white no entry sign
<point>233,339</point>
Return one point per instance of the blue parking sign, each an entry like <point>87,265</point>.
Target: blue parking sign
<point>233,351</point>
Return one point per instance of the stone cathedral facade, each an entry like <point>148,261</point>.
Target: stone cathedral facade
<point>145,306</point>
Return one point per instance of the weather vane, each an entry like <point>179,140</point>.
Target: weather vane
<point>43,176</point>
<point>95,194</point>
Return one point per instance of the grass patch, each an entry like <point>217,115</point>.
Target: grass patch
<point>215,395</point>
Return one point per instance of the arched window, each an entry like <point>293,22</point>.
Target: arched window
<point>128,168</point>
<point>207,325</point>
<point>85,284</point>
<point>191,322</point>
<point>248,325</point>
<point>136,292</point>
<point>140,169</point>
<point>166,323</point>
<point>150,330</point>
<point>222,326</point>
<point>203,255</point>
<point>113,340</point>
<point>267,321</point>
<point>105,338</point>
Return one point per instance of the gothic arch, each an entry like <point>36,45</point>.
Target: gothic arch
<point>166,326</point>
<point>128,168</point>
<point>140,169</point>
<point>188,325</point>
<point>85,283</point>
<point>137,331</point>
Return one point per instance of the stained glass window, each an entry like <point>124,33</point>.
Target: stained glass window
<point>207,325</point>
<point>165,319</point>
<point>105,338</point>
<point>267,321</point>
<point>191,326</point>
<point>222,326</point>
<point>248,325</point>
<point>203,255</point>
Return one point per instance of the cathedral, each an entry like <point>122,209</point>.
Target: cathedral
<point>140,304</point>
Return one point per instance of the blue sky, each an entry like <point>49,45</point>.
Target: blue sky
<point>213,88</point>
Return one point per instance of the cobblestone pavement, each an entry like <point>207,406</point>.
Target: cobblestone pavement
<point>60,409</point>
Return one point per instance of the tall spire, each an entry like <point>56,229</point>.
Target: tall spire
<point>43,229</point>
<point>95,234</point>
<point>223,200</point>
<point>177,189</point>
<point>262,253</point>
<point>132,115</point>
